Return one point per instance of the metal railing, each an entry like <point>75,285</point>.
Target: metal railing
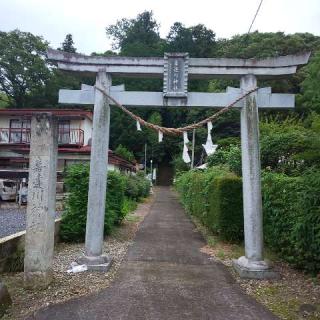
<point>22,136</point>
<point>71,137</point>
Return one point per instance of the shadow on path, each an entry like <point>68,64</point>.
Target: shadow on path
<point>165,276</point>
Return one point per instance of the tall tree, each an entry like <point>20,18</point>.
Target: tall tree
<point>137,37</point>
<point>68,44</point>
<point>267,44</point>
<point>310,96</point>
<point>23,69</point>
<point>197,40</point>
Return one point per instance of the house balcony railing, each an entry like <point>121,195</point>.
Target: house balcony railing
<point>74,137</point>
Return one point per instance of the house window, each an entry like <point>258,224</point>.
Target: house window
<point>64,132</point>
<point>19,131</point>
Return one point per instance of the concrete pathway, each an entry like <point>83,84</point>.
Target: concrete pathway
<point>165,276</point>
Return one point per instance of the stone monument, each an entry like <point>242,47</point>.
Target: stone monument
<point>39,242</point>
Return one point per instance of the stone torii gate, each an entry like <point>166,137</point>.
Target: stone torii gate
<point>176,69</point>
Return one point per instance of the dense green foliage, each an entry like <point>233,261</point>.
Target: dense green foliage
<point>198,41</point>
<point>23,70</point>
<point>4,101</point>
<point>310,94</point>
<point>227,155</point>
<point>137,37</point>
<point>288,146</point>
<point>291,208</point>
<point>124,153</point>
<point>73,222</point>
<point>215,197</point>
<point>26,77</point>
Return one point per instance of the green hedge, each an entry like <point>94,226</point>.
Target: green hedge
<point>73,224</point>
<point>215,197</point>
<point>291,207</point>
<point>291,210</point>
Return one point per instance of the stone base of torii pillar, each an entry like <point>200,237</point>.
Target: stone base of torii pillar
<point>99,263</point>
<point>261,270</point>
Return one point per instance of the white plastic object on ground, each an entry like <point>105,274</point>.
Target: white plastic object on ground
<point>76,268</point>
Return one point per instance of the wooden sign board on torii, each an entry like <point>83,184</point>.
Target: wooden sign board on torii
<point>176,69</point>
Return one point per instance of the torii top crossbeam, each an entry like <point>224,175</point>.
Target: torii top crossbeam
<point>198,68</point>
<point>176,69</point>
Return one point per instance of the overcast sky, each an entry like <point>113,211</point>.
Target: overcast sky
<point>86,20</point>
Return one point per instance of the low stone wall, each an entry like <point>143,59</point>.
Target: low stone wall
<point>12,249</point>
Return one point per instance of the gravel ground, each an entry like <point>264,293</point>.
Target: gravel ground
<point>67,286</point>
<point>13,220</point>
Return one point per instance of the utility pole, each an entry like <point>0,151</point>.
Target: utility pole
<point>151,171</point>
<point>145,158</point>
<point>193,143</point>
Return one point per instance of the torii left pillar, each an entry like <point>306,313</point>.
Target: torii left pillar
<point>93,258</point>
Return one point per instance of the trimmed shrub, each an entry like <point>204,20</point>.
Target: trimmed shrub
<point>114,200</point>
<point>215,197</point>
<point>227,155</point>
<point>137,187</point>
<point>74,218</point>
<point>73,223</point>
<point>122,193</point>
<point>129,205</point>
<point>225,214</point>
<point>291,207</point>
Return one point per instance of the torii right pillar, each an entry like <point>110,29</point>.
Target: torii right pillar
<point>252,265</point>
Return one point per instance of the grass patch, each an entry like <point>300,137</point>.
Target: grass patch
<point>132,218</point>
<point>217,247</point>
<point>128,206</point>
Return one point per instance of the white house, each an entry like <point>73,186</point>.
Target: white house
<point>74,141</point>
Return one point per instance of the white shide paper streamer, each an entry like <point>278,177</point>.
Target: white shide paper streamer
<point>185,154</point>
<point>160,136</point>
<point>138,126</point>
<point>209,147</point>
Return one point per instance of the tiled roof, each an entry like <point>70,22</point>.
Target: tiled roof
<point>65,113</point>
